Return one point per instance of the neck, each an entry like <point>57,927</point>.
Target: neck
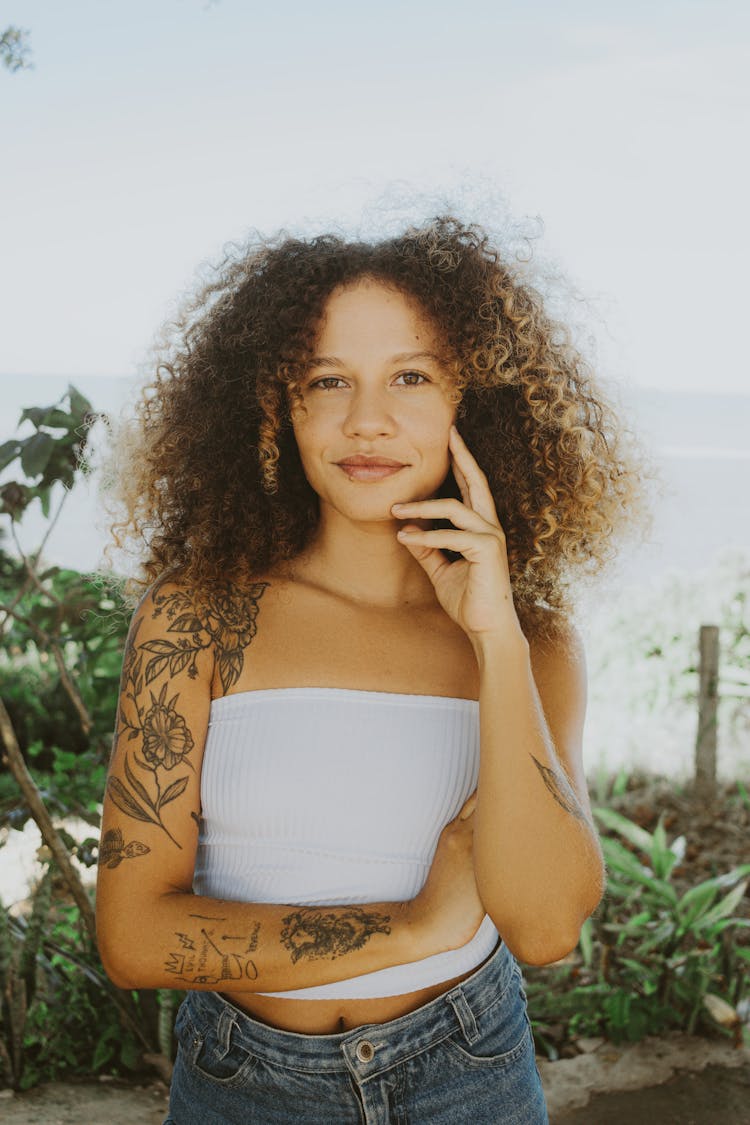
<point>364,563</point>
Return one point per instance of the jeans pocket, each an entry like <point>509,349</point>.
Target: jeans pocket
<point>502,1032</point>
<point>219,1058</point>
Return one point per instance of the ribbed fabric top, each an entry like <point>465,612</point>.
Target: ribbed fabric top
<point>335,796</point>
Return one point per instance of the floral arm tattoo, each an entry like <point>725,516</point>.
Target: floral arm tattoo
<point>224,622</point>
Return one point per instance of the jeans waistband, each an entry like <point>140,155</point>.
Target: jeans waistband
<point>371,1047</point>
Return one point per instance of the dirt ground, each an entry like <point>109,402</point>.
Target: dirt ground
<point>716,1095</point>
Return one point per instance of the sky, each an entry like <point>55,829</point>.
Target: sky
<point>152,132</point>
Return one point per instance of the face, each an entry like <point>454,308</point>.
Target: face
<point>377,391</point>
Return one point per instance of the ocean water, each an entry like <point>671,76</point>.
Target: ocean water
<point>662,589</point>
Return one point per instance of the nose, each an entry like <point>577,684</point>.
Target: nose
<point>369,414</point>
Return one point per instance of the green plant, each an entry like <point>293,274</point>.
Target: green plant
<point>73,1023</point>
<point>62,638</point>
<point>650,956</point>
<point>670,946</point>
<point>18,981</point>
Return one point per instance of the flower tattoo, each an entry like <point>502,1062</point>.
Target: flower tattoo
<point>166,739</point>
<point>224,622</point>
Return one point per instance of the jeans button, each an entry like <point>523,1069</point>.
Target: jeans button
<point>365,1051</point>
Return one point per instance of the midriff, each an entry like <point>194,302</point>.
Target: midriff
<point>305,639</point>
<point>329,1017</point>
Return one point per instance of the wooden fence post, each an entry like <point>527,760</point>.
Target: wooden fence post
<point>708,698</point>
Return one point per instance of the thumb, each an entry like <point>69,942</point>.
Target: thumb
<point>468,807</point>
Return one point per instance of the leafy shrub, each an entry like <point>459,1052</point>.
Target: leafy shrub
<point>652,958</point>
<point>60,1015</point>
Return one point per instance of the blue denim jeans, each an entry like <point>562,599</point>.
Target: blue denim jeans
<point>467,1056</point>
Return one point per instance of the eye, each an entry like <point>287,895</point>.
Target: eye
<point>410,374</point>
<point>326,379</point>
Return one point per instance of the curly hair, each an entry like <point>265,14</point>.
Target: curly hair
<point>207,469</point>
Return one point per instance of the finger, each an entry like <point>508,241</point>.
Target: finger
<point>433,562</point>
<point>446,508</point>
<point>468,807</point>
<point>480,496</point>
<point>461,482</point>
<point>472,544</point>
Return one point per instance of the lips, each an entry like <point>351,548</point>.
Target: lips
<point>372,467</point>
<point>362,460</point>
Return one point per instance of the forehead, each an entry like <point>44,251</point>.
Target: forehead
<point>368,312</point>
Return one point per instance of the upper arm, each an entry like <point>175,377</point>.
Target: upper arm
<point>152,800</point>
<point>559,669</point>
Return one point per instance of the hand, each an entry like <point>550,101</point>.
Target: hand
<point>474,591</point>
<point>448,908</point>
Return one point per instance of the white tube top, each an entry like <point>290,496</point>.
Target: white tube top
<point>333,796</point>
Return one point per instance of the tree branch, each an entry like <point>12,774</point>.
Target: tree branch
<point>14,760</point>
<point>70,688</point>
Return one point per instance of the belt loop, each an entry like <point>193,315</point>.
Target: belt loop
<point>464,1014</point>
<point>224,1026</point>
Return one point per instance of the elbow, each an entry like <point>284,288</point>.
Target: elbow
<point>540,952</point>
<point>116,968</point>
<point>117,959</point>
<point>537,944</point>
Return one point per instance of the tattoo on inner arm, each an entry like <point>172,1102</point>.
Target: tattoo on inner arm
<point>226,623</point>
<point>313,933</point>
<point>561,790</point>
<point>208,957</point>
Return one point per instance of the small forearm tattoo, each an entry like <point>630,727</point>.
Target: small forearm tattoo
<point>561,790</point>
<point>313,933</point>
<point>113,849</point>
<point>209,956</point>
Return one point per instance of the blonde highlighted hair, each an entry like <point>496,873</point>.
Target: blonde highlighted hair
<point>207,474</point>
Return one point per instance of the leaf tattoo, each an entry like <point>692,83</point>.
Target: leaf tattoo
<point>224,622</point>
<point>113,849</point>
<point>561,790</point>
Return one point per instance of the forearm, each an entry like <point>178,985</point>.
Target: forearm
<point>537,857</point>
<point>180,940</point>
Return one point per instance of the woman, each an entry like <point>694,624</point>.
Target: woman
<point>346,794</point>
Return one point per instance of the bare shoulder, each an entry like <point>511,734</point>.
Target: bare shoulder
<point>556,638</point>
<point>558,664</point>
<point>198,632</point>
<point>558,659</point>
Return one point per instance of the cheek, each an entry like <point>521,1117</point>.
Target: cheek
<point>304,434</point>
<point>437,442</point>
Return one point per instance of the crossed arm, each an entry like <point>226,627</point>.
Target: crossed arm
<point>154,932</point>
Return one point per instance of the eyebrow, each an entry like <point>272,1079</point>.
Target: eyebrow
<point>402,357</point>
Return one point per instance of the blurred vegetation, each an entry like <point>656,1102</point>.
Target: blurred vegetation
<point>15,49</point>
<point>644,652</point>
<point>652,956</point>
<point>61,646</point>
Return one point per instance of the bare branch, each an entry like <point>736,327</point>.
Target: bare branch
<point>17,766</point>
